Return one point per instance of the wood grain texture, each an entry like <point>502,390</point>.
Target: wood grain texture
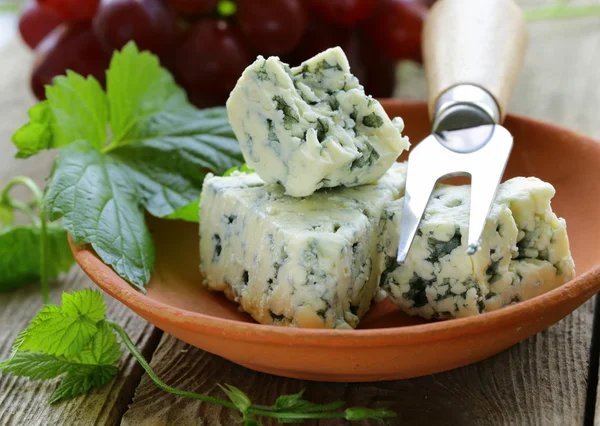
<point>24,402</point>
<point>541,381</point>
<point>538,382</point>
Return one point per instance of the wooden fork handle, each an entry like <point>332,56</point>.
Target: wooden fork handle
<point>477,42</point>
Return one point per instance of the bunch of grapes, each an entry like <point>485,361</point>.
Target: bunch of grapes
<point>206,44</point>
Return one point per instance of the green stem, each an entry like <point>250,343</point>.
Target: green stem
<point>297,416</point>
<point>25,209</point>
<point>25,181</point>
<point>258,410</point>
<point>157,381</point>
<point>561,11</point>
<point>44,267</point>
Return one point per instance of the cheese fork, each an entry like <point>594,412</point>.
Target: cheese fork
<point>472,53</point>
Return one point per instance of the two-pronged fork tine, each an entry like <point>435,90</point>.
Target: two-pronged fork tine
<point>486,173</point>
<point>418,191</point>
<point>481,152</point>
<point>472,52</point>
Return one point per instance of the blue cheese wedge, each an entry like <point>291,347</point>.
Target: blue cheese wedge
<point>302,262</point>
<point>524,252</point>
<point>312,126</point>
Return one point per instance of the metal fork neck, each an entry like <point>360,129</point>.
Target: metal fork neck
<point>464,106</point>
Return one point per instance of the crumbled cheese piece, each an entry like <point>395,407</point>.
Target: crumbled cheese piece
<point>312,126</point>
<point>524,252</point>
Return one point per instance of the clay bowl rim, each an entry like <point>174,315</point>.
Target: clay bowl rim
<point>108,280</point>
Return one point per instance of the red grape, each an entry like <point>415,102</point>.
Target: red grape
<point>210,60</point>
<point>321,35</point>
<point>71,9</point>
<point>193,7</point>
<point>396,26</point>
<point>202,99</point>
<point>344,12</point>
<point>380,72</point>
<point>71,46</point>
<point>147,22</point>
<point>273,27</point>
<point>35,23</point>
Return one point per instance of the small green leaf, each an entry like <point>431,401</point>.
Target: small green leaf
<point>286,402</point>
<point>295,402</point>
<point>360,413</point>
<point>98,200</point>
<point>74,339</point>
<point>58,331</point>
<point>140,93</point>
<point>102,349</point>
<point>35,365</point>
<point>82,378</point>
<point>243,169</point>
<point>239,398</point>
<point>36,135</point>
<point>189,212</point>
<point>20,254</point>
<point>84,303</point>
<point>76,109</point>
<point>79,110</point>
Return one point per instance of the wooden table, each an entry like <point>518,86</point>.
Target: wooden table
<point>545,380</point>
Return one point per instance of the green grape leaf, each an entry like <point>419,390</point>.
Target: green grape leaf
<point>36,135</point>
<point>79,110</point>
<point>102,349</point>
<point>170,160</point>
<point>139,146</point>
<point>98,200</point>
<point>82,378</point>
<point>141,93</point>
<point>73,340</point>
<point>64,331</point>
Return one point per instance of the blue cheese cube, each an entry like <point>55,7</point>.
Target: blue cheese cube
<point>524,252</point>
<point>302,262</point>
<point>312,126</point>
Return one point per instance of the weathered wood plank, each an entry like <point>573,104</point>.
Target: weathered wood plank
<point>540,381</point>
<point>24,402</point>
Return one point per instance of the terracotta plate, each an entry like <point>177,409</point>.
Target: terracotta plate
<point>387,345</point>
